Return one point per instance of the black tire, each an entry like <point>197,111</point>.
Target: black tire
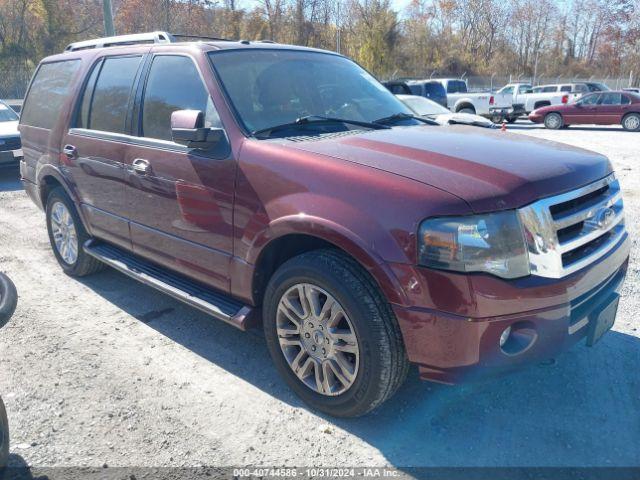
<point>553,121</point>
<point>631,122</point>
<point>8,299</point>
<point>84,264</point>
<point>4,437</point>
<point>383,360</point>
<point>512,119</point>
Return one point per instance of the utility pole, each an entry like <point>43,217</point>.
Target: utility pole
<point>108,18</point>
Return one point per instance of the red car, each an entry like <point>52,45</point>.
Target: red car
<point>599,108</point>
<point>265,182</point>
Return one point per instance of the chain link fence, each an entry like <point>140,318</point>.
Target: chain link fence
<point>14,80</point>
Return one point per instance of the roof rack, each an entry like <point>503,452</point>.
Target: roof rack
<point>136,38</point>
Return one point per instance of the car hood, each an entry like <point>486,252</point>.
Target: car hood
<point>9,129</point>
<point>464,119</point>
<point>489,169</point>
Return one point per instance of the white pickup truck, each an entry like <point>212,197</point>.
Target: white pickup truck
<point>487,104</point>
<point>532,98</point>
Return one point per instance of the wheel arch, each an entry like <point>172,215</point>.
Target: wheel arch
<point>464,103</point>
<point>289,238</point>
<point>541,104</point>
<point>50,178</point>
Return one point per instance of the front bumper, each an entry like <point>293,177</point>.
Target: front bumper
<point>453,348</point>
<point>535,117</point>
<point>10,157</point>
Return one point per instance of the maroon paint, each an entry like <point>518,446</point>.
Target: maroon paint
<point>574,114</point>
<point>365,193</point>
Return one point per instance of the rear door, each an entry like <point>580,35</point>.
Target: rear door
<point>609,110</point>
<point>96,146</point>
<point>180,200</point>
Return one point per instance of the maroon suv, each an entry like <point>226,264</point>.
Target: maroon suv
<point>265,182</point>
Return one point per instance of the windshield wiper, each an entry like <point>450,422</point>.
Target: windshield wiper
<point>312,119</point>
<point>404,116</point>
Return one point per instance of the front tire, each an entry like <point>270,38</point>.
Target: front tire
<point>553,121</point>
<point>631,122</point>
<point>324,299</point>
<point>67,236</point>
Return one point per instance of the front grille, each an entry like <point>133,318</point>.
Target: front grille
<point>10,143</point>
<point>570,231</point>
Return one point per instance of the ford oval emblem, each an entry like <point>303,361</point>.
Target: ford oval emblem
<point>604,218</point>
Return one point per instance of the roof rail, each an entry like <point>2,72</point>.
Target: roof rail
<point>151,37</point>
<point>201,37</point>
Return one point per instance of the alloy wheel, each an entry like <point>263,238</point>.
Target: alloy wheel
<point>632,122</point>
<point>317,339</point>
<point>64,233</point>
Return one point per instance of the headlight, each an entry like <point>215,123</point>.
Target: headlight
<point>492,243</point>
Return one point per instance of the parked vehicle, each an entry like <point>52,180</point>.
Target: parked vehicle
<point>632,89</point>
<point>605,108</point>
<point>430,89</point>
<point>424,107</point>
<point>487,104</point>
<point>8,302</point>
<point>537,97</point>
<point>10,146</point>
<point>243,179</point>
<point>398,87</point>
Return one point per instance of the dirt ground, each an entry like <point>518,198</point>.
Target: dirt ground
<point>104,370</point>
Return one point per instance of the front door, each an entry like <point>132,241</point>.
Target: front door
<point>180,200</point>
<point>583,111</point>
<point>95,147</point>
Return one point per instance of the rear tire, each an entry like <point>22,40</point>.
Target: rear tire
<point>4,437</point>
<point>553,121</point>
<point>631,122</point>
<point>377,362</point>
<point>470,110</point>
<point>8,299</point>
<point>67,236</point>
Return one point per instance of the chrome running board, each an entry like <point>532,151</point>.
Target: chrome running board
<point>193,293</point>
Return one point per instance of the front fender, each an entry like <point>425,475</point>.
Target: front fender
<point>365,240</point>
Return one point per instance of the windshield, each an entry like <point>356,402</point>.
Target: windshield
<point>7,114</point>
<point>272,87</point>
<point>422,106</point>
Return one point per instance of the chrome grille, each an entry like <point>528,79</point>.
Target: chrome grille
<point>568,232</point>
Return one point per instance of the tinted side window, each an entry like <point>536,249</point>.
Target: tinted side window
<point>456,86</point>
<point>167,92</point>
<point>565,88</point>
<point>625,100</point>
<point>416,89</point>
<point>610,99</point>
<point>82,120</point>
<point>590,99</point>
<point>48,92</point>
<point>434,90</point>
<point>110,103</point>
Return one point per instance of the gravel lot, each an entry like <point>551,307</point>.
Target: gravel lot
<point>104,370</point>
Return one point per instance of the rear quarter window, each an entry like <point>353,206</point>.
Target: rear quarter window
<point>47,93</point>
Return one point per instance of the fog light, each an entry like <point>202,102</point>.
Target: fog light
<point>505,336</point>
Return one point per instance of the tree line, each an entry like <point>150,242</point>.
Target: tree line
<point>575,38</point>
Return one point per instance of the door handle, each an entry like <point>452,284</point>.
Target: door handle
<point>141,166</point>
<point>70,151</point>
